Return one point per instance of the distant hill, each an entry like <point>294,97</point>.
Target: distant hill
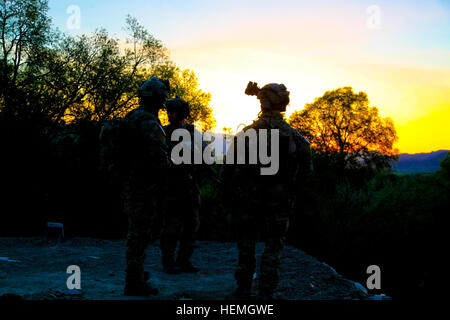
<point>420,162</point>
<point>416,162</point>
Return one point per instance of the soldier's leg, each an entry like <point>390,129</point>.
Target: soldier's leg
<point>139,207</point>
<point>277,223</point>
<point>270,266</point>
<point>170,235</point>
<point>190,225</point>
<point>138,239</point>
<point>247,234</point>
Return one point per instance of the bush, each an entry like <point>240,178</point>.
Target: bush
<point>350,221</point>
<point>392,221</point>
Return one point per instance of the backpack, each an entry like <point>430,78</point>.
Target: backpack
<point>117,147</point>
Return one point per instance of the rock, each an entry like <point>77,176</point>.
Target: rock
<point>380,297</point>
<point>329,267</point>
<point>360,287</point>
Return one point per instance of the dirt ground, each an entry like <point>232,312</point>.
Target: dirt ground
<point>35,268</point>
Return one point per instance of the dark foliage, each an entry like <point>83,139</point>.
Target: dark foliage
<point>393,221</point>
<point>349,216</point>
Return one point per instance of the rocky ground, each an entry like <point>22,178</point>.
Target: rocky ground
<point>34,268</point>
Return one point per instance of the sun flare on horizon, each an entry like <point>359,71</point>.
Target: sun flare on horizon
<point>398,53</point>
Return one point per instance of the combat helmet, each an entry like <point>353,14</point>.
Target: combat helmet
<point>178,105</point>
<point>273,96</point>
<point>154,90</point>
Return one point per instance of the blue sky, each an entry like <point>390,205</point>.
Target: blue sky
<point>416,21</point>
<point>311,46</point>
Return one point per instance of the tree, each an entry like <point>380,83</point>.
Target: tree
<point>69,79</point>
<point>445,167</point>
<point>24,30</point>
<point>65,79</point>
<point>342,126</point>
<point>109,77</point>
<point>184,83</point>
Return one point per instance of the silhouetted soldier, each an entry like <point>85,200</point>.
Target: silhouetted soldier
<point>265,201</point>
<point>181,219</point>
<point>144,190</point>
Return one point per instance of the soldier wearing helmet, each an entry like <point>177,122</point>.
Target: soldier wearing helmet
<point>263,203</point>
<point>181,219</point>
<point>144,189</point>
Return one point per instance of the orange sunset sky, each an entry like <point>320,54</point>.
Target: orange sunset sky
<point>398,52</point>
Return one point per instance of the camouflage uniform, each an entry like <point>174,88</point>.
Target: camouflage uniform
<point>145,185</point>
<point>263,203</point>
<point>144,190</point>
<point>181,218</point>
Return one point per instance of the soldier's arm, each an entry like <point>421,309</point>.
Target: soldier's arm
<point>202,171</point>
<point>226,175</point>
<point>304,156</point>
<point>155,141</point>
<point>227,170</point>
<point>307,162</point>
<point>207,172</point>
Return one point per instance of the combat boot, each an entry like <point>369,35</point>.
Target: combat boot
<point>169,266</point>
<point>266,292</point>
<point>244,289</point>
<point>139,289</point>
<point>241,293</point>
<point>186,266</point>
<point>265,297</point>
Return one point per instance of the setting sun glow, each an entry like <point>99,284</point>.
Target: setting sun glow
<point>399,54</point>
